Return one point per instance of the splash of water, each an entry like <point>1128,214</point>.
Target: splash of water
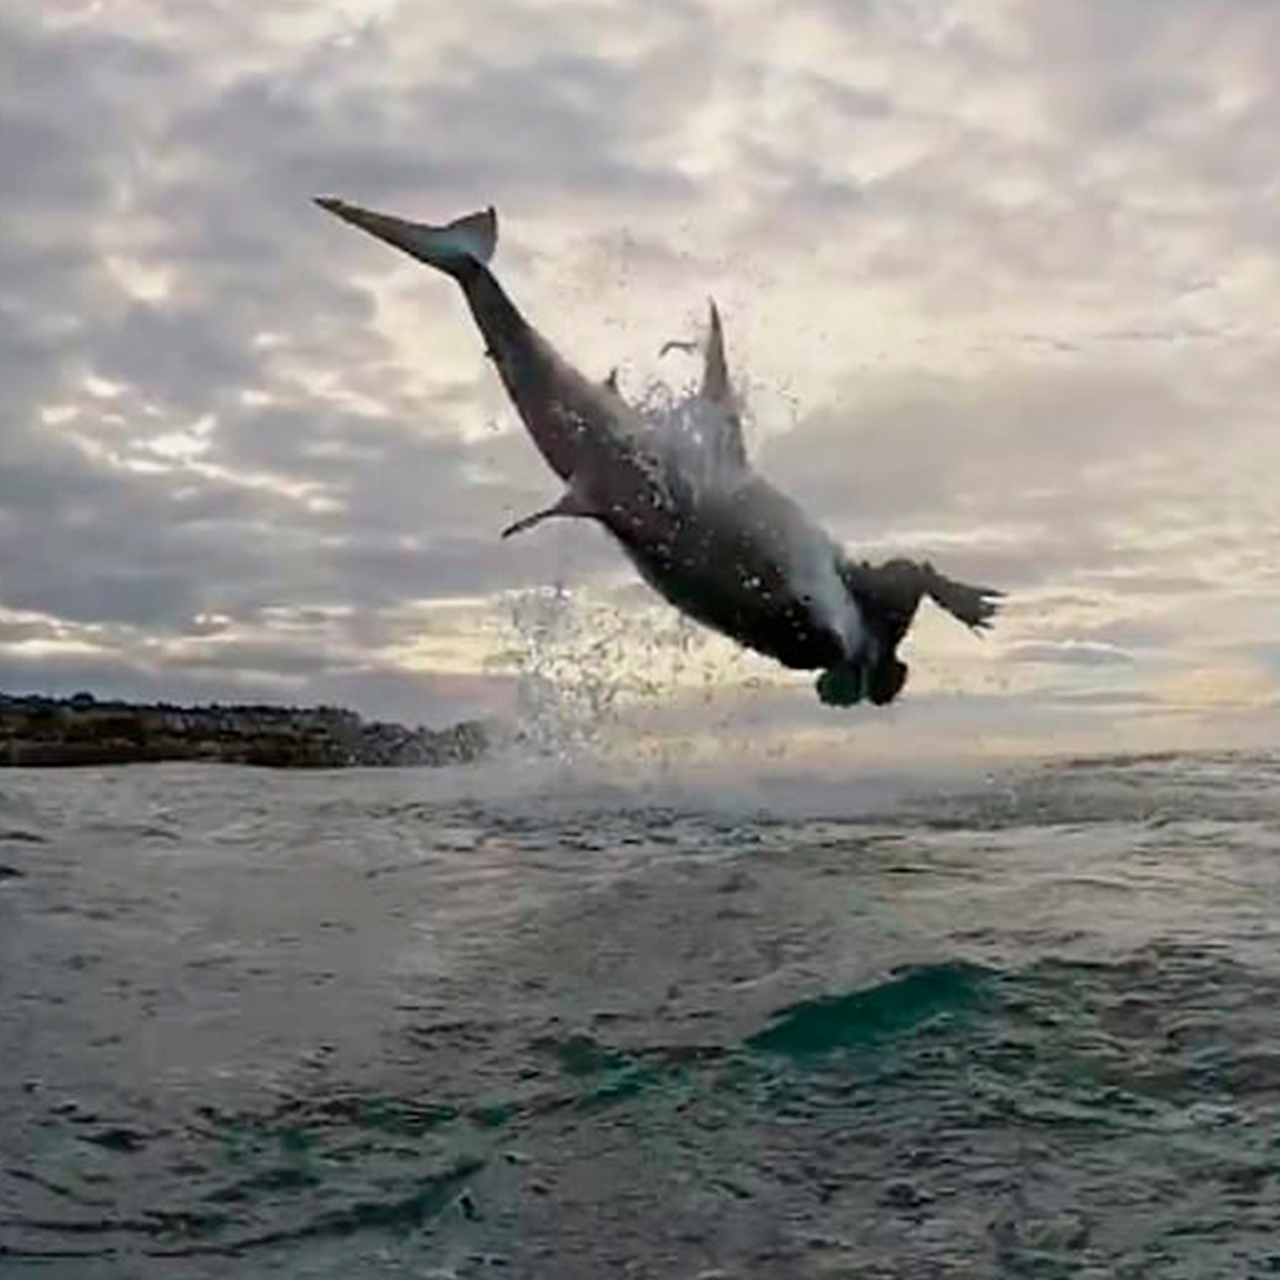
<point>688,440</point>
<point>601,678</point>
<point>694,449</point>
<point>583,663</point>
<point>587,667</point>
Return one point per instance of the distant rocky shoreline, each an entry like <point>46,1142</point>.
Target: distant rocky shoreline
<point>83,730</point>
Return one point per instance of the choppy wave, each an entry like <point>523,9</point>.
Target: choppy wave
<point>457,1024</point>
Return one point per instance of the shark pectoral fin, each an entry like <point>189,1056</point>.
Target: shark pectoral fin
<point>571,503</point>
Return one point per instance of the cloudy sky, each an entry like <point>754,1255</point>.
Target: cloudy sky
<point>1000,277</point>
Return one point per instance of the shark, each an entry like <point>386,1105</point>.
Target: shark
<point>702,526</point>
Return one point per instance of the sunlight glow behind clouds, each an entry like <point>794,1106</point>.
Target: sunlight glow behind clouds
<point>1001,278</point>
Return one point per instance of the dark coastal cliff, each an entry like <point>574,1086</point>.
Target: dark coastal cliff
<point>83,730</point>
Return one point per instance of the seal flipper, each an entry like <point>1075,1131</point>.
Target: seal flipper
<point>974,606</point>
<point>885,679</point>
<point>841,686</point>
<point>846,686</point>
<point>894,590</point>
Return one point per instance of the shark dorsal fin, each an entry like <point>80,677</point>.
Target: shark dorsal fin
<point>717,388</point>
<point>715,370</point>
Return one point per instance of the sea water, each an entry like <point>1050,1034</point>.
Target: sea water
<point>601,1007</point>
<point>527,1019</point>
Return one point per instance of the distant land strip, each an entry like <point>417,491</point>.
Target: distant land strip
<point>84,730</point>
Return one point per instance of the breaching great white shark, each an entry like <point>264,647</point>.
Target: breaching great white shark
<point>701,525</point>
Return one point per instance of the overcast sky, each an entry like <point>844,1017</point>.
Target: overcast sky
<point>1000,278</point>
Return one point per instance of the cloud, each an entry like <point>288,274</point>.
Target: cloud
<point>1082,653</point>
<point>999,277</point>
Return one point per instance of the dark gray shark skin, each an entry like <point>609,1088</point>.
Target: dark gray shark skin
<point>735,554</point>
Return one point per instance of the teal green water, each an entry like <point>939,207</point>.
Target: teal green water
<point>429,1025</point>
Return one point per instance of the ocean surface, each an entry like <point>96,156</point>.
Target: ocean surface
<point>477,1023</point>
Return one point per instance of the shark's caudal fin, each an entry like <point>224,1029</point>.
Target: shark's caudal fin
<point>453,248</point>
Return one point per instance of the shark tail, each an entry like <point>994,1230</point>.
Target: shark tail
<point>456,248</point>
